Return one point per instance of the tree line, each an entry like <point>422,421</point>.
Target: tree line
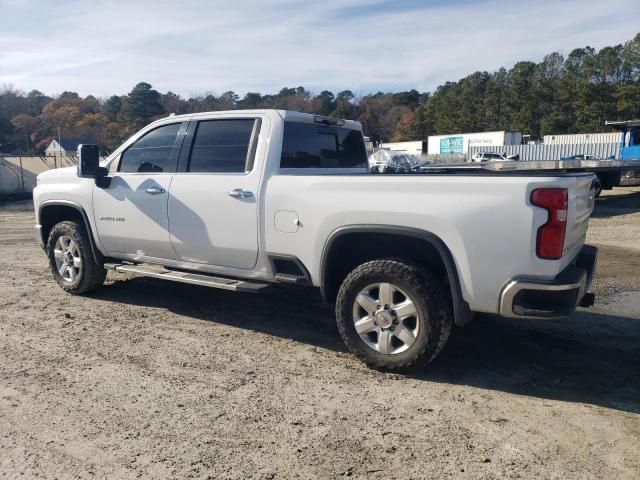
<point>572,94</point>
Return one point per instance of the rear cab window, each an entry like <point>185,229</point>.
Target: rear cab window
<point>328,148</point>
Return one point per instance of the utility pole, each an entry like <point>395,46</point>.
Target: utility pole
<point>59,150</point>
<point>21,175</point>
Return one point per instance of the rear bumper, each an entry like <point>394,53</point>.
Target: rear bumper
<point>522,298</point>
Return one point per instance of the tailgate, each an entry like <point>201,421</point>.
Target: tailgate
<point>581,202</point>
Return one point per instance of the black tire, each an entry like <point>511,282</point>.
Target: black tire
<point>432,304</point>
<point>598,185</point>
<point>91,274</point>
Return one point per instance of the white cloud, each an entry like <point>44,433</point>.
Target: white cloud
<point>197,46</point>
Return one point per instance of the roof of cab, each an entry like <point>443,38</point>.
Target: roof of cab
<point>287,115</point>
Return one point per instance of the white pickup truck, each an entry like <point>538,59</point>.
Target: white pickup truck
<point>240,200</point>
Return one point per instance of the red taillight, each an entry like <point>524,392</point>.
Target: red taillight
<point>550,242</point>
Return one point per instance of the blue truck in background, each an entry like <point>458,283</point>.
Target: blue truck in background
<point>629,138</point>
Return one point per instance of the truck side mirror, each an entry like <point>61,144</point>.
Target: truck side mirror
<point>88,161</point>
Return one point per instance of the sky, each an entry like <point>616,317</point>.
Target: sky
<point>192,47</point>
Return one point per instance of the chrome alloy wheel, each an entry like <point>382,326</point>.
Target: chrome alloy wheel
<point>386,318</point>
<point>68,260</point>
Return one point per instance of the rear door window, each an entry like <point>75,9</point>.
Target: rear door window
<point>222,146</point>
<point>308,145</point>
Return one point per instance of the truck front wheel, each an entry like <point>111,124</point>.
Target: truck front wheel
<point>393,314</point>
<point>71,259</point>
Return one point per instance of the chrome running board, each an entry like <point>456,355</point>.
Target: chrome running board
<point>188,277</point>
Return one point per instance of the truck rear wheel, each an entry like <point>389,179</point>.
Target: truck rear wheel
<point>393,314</point>
<point>71,259</point>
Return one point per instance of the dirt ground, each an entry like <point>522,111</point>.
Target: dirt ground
<point>159,380</point>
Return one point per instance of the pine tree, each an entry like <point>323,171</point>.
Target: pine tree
<point>140,107</point>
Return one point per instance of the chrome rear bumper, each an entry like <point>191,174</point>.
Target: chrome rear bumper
<point>523,298</point>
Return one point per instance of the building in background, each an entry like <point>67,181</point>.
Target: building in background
<point>459,143</point>
<point>456,144</point>
<point>66,147</point>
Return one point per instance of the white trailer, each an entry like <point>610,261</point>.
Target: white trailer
<point>582,138</point>
<point>413,148</point>
<point>459,143</point>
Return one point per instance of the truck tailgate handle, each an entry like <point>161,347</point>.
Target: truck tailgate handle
<point>155,190</point>
<point>240,193</point>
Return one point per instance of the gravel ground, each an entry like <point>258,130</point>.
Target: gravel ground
<point>158,380</point>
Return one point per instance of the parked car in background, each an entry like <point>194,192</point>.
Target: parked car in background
<point>582,157</point>
<point>496,157</point>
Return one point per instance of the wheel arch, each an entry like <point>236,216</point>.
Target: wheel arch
<point>342,253</point>
<point>55,211</point>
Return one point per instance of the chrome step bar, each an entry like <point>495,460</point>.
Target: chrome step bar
<point>188,277</point>
<point>290,278</point>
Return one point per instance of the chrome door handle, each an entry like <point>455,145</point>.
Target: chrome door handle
<point>240,193</point>
<point>155,190</point>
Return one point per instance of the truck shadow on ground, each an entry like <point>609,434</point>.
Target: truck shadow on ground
<point>614,205</point>
<point>588,358</point>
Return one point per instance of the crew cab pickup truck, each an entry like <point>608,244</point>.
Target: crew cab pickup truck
<point>240,200</point>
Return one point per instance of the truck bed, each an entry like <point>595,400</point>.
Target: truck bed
<point>543,167</point>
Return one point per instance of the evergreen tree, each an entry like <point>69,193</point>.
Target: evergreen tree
<point>111,107</point>
<point>140,107</point>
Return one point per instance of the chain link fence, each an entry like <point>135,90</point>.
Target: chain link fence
<point>18,173</point>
